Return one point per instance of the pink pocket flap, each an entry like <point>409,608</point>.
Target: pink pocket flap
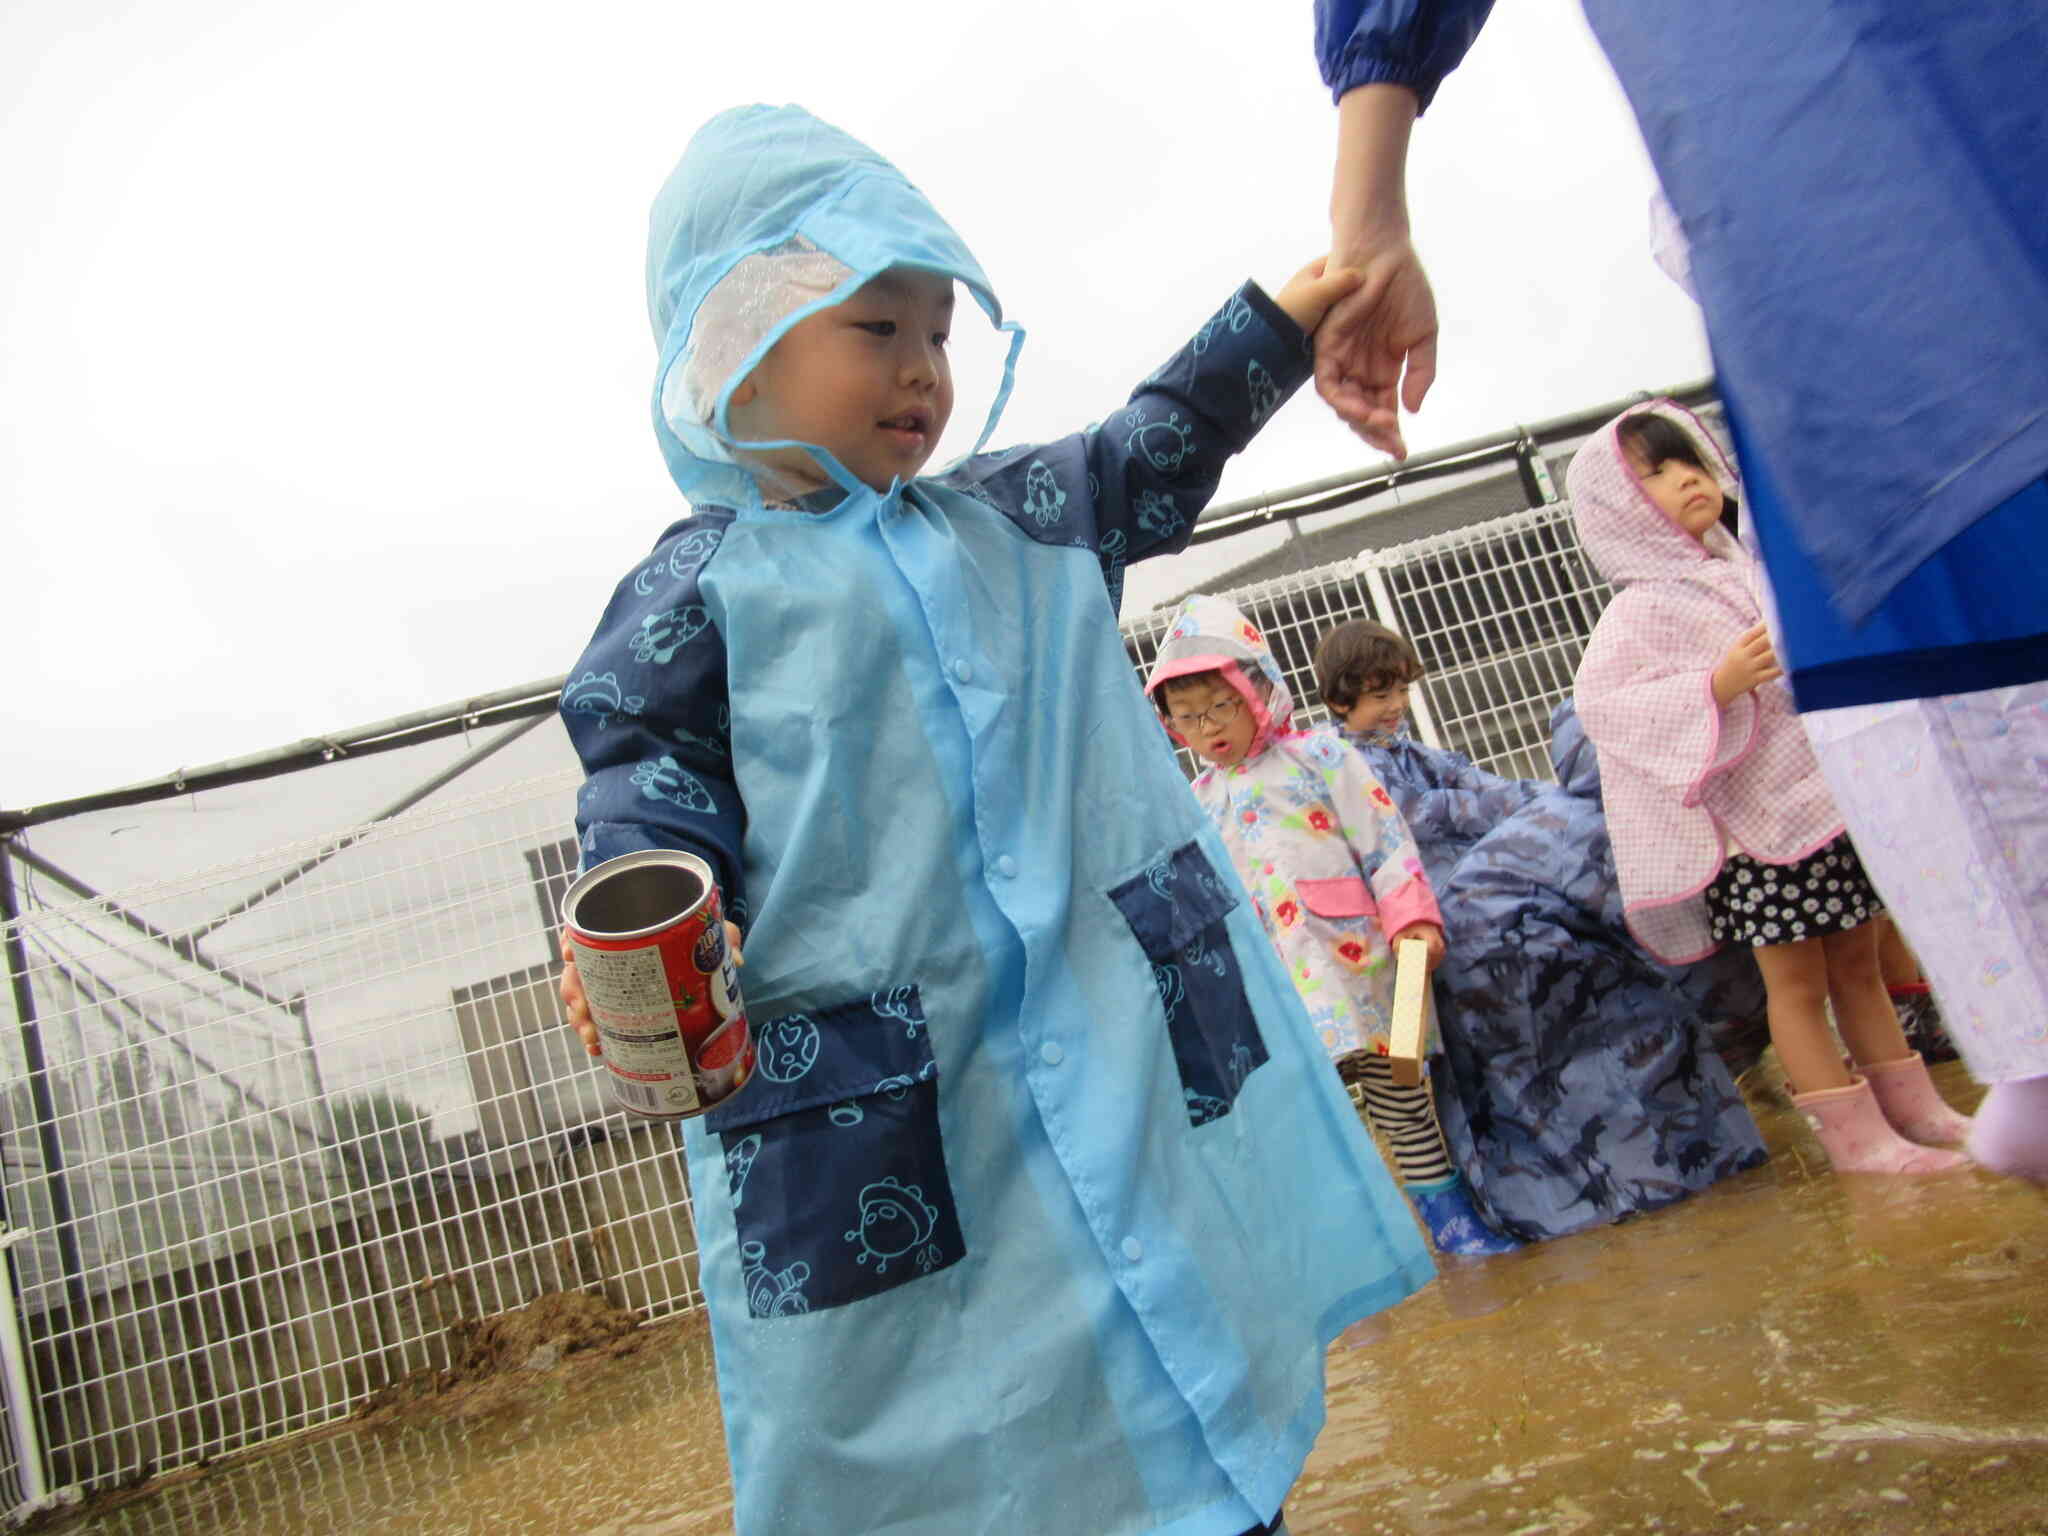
<point>1337,898</point>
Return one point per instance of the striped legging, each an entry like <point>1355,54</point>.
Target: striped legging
<point>1406,1117</point>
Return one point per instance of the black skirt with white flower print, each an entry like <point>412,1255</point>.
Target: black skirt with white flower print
<point>1754,903</point>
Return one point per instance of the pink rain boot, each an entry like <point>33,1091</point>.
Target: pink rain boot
<point>1859,1139</point>
<point>1913,1105</point>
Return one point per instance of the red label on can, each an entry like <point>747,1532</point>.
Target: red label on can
<point>673,1031</point>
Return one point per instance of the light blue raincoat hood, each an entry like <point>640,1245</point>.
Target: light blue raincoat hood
<point>772,182</point>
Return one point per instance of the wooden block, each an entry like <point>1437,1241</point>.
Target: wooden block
<point>1408,1040</point>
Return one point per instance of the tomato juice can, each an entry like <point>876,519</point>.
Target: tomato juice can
<point>648,933</point>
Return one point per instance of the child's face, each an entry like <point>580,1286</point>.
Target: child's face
<point>1380,712</point>
<point>1213,718</point>
<point>1683,492</point>
<point>868,380</point>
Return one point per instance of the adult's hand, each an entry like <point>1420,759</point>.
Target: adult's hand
<point>1376,349</point>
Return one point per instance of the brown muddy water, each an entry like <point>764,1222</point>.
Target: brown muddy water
<point>1791,1352</point>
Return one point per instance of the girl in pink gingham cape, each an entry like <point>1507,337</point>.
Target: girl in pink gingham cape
<point>1723,827</point>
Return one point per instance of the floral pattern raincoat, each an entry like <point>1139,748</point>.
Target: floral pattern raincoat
<point>1330,864</point>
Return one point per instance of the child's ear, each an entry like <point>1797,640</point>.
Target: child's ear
<point>746,392</point>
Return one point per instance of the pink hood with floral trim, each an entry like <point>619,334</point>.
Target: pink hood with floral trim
<point>1682,777</point>
<point>1209,634</point>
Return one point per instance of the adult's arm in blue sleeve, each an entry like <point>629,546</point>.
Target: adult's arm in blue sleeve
<point>1394,42</point>
<point>1383,60</point>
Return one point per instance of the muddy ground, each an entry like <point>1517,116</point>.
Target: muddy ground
<point>1792,1352</point>
<point>495,1357</point>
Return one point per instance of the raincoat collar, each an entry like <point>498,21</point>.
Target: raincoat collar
<point>1209,634</point>
<point>770,216</point>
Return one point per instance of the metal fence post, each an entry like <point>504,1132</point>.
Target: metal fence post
<point>47,1139</point>
<point>1538,488</point>
<point>19,1396</point>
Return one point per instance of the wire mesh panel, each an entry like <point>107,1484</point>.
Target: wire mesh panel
<point>19,1483</point>
<point>267,1169</point>
<point>1499,612</point>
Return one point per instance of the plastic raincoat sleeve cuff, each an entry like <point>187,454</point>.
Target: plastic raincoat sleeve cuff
<point>1381,842</point>
<point>1159,459</point>
<point>1408,904</point>
<point>1415,43</point>
<point>1241,366</point>
<point>642,795</point>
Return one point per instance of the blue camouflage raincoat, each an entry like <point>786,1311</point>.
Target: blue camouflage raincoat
<point>1579,1082</point>
<point>1042,1205</point>
<point>1448,801</point>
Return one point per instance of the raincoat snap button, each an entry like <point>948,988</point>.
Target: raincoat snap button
<point>1052,1053</point>
<point>1133,1249</point>
<point>962,670</point>
<point>1006,866</point>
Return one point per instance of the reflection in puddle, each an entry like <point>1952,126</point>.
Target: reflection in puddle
<point>1793,1351</point>
<point>1790,1352</point>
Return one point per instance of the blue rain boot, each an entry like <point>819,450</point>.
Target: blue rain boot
<point>1454,1227</point>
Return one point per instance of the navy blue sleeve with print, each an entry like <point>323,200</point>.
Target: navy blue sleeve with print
<point>1132,485</point>
<point>647,711</point>
<point>833,1158</point>
<point>1176,911</point>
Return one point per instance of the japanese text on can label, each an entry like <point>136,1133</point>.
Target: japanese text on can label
<point>629,1000</point>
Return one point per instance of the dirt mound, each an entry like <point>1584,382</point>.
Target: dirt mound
<point>535,1337</point>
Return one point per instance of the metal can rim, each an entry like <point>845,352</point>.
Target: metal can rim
<point>590,879</point>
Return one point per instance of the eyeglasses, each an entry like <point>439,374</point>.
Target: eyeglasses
<point>1219,715</point>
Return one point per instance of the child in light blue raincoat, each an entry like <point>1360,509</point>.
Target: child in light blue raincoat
<point>1041,1206</point>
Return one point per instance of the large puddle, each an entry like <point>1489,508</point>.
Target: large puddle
<point>1791,1352</point>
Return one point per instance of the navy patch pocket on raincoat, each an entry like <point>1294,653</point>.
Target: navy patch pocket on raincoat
<point>1176,909</point>
<point>839,1187</point>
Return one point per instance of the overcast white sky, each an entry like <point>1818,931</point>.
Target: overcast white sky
<point>324,390</point>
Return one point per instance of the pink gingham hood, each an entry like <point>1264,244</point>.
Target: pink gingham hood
<point>1682,778</point>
